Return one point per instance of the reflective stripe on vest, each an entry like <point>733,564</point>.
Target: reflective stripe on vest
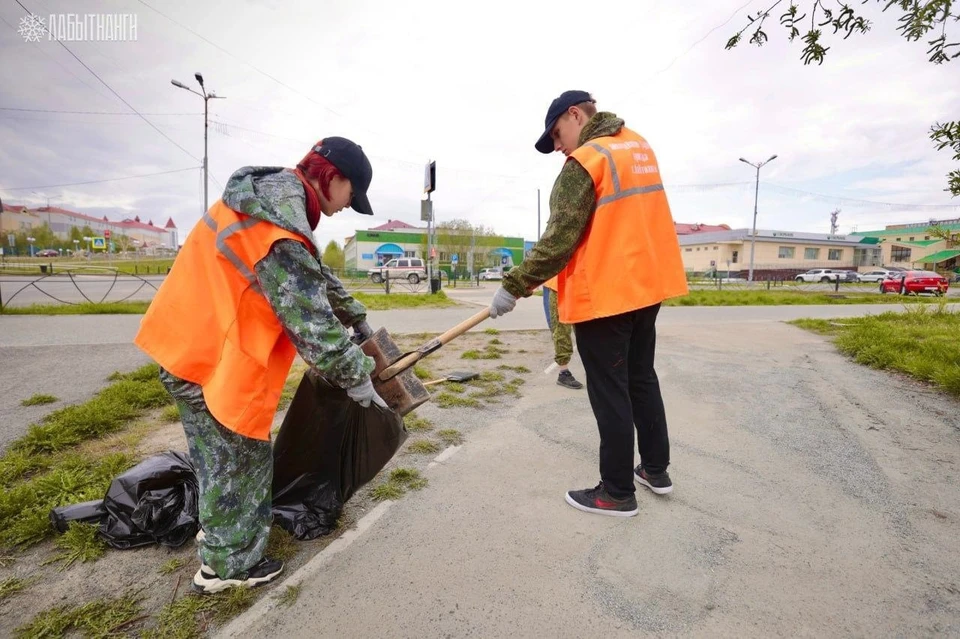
<point>210,324</point>
<point>629,256</point>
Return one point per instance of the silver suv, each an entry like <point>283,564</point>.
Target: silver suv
<point>411,269</point>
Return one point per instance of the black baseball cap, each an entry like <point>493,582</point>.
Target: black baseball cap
<point>557,108</point>
<point>350,160</point>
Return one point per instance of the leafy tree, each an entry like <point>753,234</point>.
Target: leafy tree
<point>917,20</point>
<point>333,255</point>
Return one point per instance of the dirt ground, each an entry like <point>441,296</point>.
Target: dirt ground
<point>137,570</point>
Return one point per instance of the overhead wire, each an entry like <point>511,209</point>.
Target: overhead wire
<point>116,179</point>
<point>119,97</point>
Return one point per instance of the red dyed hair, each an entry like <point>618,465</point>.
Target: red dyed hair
<point>315,166</point>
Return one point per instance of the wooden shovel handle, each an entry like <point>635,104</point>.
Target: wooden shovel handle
<point>410,359</point>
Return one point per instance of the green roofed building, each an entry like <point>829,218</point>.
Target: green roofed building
<point>918,246</point>
<point>464,253</point>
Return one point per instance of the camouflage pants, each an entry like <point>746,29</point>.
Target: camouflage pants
<point>234,474</point>
<point>562,340</point>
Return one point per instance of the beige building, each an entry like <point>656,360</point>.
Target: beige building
<point>915,246</point>
<point>777,253</point>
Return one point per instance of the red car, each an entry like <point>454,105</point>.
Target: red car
<point>916,282</point>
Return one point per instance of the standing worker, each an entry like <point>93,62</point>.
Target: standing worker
<point>562,336</point>
<point>612,240</point>
<point>246,294</point>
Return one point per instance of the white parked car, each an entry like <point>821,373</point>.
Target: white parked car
<point>491,274</point>
<point>818,275</point>
<point>876,275</point>
<point>411,269</point>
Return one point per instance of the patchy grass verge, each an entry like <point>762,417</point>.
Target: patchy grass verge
<point>423,447</point>
<point>172,566</point>
<point>417,424</point>
<point>289,595</point>
<point>400,481</point>
<point>377,302</point>
<point>39,400</point>
<point>99,618</point>
<point>449,400</point>
<point>80,543</point>
<point>450,436</point>
<point>87,308</point>
<point>11,586</point>
<point>784,298</point>
<point>191,615</point>
<point>921,342</point>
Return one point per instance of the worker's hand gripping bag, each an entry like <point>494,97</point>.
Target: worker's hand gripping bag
<point>327,448</point>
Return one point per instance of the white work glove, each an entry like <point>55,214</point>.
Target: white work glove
<point>364,393</point>
<point>503,302</point>
<point>361,332</point>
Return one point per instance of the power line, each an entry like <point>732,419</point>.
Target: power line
<point>705,36</point>
<point>119,97</point>
<point>855,202</point>
<point>257,69</point>
<point>126,177</point>
<point>89,112</point>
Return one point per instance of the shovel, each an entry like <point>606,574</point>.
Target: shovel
<point>393,375</point>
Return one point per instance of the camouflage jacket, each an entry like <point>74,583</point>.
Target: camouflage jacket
<point>572,204</point>
<point>309,300</point>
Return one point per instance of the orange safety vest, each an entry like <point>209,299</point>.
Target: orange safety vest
<point>629,256</point>
<point>552,283</point>
<point>210,324</point>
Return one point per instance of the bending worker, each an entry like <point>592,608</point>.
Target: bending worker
<point>246,294</point>
<point>612,240</point>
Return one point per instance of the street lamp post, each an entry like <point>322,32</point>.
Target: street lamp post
<point>756,196</point>
<point>207,96</point>
<point>31,240</point>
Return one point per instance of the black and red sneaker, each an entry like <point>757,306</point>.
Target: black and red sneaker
<point>660,483</point>
<point>599,502</point>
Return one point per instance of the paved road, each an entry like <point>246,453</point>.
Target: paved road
<point>814,497</point>
<point>70,356</point>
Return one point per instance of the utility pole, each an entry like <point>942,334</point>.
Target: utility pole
<point>207,96</point>
<point>756,197</point>
<point>426,213</point>
<point>833,222</point>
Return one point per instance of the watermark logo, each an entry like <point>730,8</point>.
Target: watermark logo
<point>80,27</point>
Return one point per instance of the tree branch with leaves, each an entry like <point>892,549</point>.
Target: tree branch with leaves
<point>917,20</point>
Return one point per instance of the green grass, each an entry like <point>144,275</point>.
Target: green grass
<point>25,505</point>
<point>80,543</point>
<point>400,481</point>
<point>108,411</point>
<point>377,302</point>
<point>492,376</point>
<point>100,618</point>
<point>523,370</point>
<point>172,566</point>
<point>449,400</point>
<point>450,436</point>
<point>423,447</point>
<point>417,424</point>
<point>921,342</point>
<point>281,545</point>
<point>289,595</point>
<point>170,414</point>
<point>783,298</point>
<point>11,586</point>
<point>189,616</point>
<point>455,387</point>
<point>491,351</point>
<point>39,400</point>
<point>492,331</point>
<point>422,372</point>
<point>87,308</point>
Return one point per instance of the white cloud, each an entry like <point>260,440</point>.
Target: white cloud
<point>468,85</point>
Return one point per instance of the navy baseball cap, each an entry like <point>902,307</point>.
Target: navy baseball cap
<point>350,160</point>
<point>557,108</point>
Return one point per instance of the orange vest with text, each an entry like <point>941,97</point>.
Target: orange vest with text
<point>552,283</point>
<point>629,256</point>
<point>210,324</point>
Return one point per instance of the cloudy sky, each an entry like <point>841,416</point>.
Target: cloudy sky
<point>468,84</point>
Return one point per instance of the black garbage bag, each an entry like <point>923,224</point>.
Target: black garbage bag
<point>327,448</point>
<point>153,502</point>
<point>88,512</point>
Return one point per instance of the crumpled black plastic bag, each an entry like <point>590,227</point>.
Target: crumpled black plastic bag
<point>87,512</point>
<point>153,502</point>
<point>328,447</point>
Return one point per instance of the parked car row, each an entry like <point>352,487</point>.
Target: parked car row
<point>413,269</point>
<point>916,282</point>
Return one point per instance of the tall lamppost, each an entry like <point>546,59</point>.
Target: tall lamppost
<point>756,196</point>
<point>207,96</point>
